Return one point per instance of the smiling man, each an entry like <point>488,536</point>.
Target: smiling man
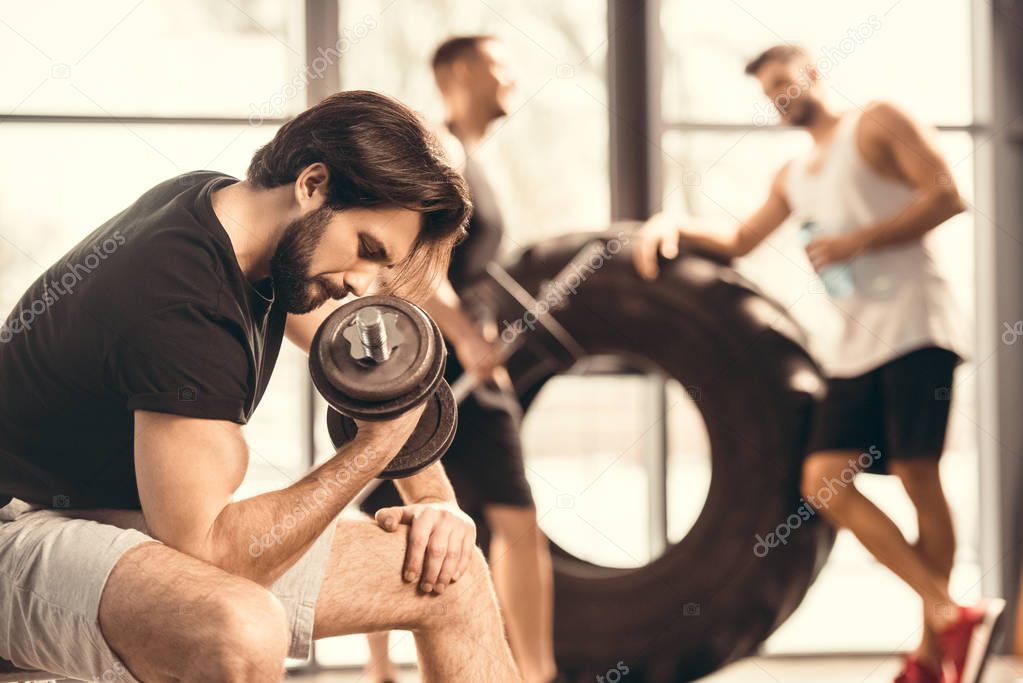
<point>123,555</point>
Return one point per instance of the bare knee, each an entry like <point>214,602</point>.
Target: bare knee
<point>475,582</point>
<point>248,637</point>
<point>827,485</point>
<point>463,601</point>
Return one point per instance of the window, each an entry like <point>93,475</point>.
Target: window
<point>548,157</point>
<point>867,50</point>
<point>128,58</point>
<point>65,179</point>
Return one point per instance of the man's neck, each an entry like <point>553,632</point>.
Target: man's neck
<point>254,220</point>
<point>824,126</point>
<point>470,128</point>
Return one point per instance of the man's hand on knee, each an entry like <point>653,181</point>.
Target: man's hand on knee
<point>441,540</point>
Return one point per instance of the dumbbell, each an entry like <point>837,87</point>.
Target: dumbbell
<point>376,358</point>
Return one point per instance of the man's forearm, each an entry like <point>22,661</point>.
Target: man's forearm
<point>430,485</point>
<point>261,537</point>
<point>725,245</point>
<point>928,211</point>
<point>445,308</point>
<point>692,232</point>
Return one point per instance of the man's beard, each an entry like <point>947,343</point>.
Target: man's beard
<point>290,264</point>
<point>806,115</point>
<point>499,111</point>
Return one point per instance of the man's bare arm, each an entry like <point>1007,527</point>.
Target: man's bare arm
<point>188,469</point>
<point>911,153</point>
<point>898,147</point>
<point>768,218</point>
<point>475,352</point>
<point>445,307</point>
<point>663,235</point>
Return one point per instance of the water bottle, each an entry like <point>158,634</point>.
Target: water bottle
<point>838,277</point>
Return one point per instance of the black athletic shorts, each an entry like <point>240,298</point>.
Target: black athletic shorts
<point>900,409</point>
<point>484,462</point>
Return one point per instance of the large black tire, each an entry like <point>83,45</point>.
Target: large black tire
<point>756,387</point>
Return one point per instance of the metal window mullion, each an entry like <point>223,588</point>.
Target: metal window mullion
<point>629,116</point>
<point>655,117</point>
<point>655,457</point>
<point>322,33</point>
<point>998,98</point>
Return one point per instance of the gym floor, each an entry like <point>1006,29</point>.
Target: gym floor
<point>770,670</point>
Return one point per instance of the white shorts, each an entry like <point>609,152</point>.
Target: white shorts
<point>54,565</point>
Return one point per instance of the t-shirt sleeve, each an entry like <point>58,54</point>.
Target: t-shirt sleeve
<point>184,360</point>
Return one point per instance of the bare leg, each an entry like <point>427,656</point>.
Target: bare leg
<point>936,542</point>
<point>847,507</point>
<point>171,617</point>
<point>380,668</point>
<point>521,564</point>
<point>459,636</point>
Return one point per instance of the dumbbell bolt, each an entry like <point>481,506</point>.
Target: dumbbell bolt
<point>407,370</point>
<point>373,333</point>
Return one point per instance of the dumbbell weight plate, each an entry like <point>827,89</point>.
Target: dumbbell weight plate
<point>369,390</point>
<point>429,441</point>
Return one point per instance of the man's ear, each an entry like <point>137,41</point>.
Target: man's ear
<point>311,185</point>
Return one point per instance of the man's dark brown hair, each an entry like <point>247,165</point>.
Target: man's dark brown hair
<point>776,53</point>
<point>379,154</point>
<point>456,48</point>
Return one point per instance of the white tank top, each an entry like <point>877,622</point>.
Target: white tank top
<point>902,301</point>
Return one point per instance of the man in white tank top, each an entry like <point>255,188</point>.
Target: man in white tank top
<point>868,192</point>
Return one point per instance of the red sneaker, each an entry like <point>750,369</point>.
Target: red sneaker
<point>915,672</point>
<point>967,643</point>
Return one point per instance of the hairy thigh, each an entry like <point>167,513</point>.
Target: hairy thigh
<point>363,590</point>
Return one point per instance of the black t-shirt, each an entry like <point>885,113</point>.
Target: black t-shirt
<point>149,312</point>
<point>486,229</point>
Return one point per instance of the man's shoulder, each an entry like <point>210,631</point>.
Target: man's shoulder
<point>882,126</point>
<point>454,152</point>
<point>882,119</point>
<point>158,251</point>
<point>176,211</point>
<point>183,187</point>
